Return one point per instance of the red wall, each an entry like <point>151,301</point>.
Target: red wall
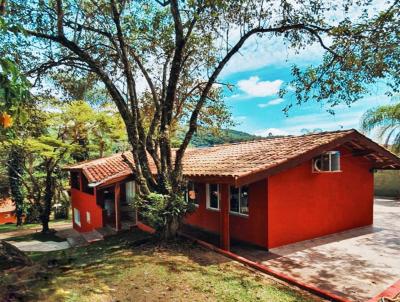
<point>251,229</point>
<point>7,217</point>
<point>304,205</point>
<point>86,203</point>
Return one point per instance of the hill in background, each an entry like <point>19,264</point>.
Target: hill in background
<point>206,139</point>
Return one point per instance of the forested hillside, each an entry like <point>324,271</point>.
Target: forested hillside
<point>208,138</point>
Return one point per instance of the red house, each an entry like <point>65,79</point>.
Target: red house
<point>7,211</point>
<point>268,192</point>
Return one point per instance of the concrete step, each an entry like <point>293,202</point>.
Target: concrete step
<point>106,231</point>
<point>127,224</point>
<point>77,241</point>
<point>92,236</point>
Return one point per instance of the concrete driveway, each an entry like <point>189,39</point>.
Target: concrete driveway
<point>356,264</point>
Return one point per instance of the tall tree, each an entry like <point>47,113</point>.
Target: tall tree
<point>179,49</point>
<point>386,119</point>
<point>13,102</point>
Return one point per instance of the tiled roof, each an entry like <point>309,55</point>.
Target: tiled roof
<point>6,205</point>
<point>247,157</point>
<point>232,160</point>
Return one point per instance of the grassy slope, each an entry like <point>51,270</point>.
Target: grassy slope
<point>117,270</point>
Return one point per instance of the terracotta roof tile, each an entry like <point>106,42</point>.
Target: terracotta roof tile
<point>227,160</point>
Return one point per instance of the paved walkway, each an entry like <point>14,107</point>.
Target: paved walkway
<point>356,264</point>
<point>40,246</point>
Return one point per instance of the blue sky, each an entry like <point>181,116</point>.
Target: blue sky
<point>258,73</point>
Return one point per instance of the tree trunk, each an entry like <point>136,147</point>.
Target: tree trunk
<point>171,229</point>
<point>15,172</point>
<point>48,197</point>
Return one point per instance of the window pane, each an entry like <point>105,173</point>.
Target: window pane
<point>214,196</point>
<point>335,161</point>
<point>244,200</point>
<point>325,162</point>
<point>77,217</point>
<point>234,199</point>
<point>192,192</point>
<point>130,191</point>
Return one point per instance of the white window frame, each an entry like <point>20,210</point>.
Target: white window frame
<point>77,214</point>
<point>330,153</point>
<point>88,218</point>
<point>240,205</point>
<point>208,198</point>
<point>187,194</point>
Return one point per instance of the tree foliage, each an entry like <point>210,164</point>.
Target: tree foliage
<point>386,119</point>
<point>178,50</point>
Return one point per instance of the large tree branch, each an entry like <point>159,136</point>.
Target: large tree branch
<point>195,114</point>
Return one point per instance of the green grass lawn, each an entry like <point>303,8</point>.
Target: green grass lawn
<point>119,270</point>
<point>37,236</point>
<point>5,228</point>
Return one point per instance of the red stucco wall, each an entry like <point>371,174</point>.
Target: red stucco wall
<point>250,229</point>
<point>7,217</point>
<point>304,205</point>
<point>86,203</point>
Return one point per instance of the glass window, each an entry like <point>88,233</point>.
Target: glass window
<point>235,199</point>
<point>130,189</point>
<point>213,196</point>
<point>327,162</point>
<point>88,217</point>
<point>77,217</point>
<point>244,200</point>
<point>192,193</point>
<point>239,200</point>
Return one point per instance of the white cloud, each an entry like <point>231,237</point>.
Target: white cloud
<point>271,103</point>
<point>256,88</point>
<point>270,131</point>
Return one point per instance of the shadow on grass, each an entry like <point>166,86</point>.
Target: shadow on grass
<point>133,265</point>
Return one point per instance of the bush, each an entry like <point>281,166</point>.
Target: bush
<point>158,210</point>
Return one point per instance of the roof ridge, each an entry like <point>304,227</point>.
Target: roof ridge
<point>278,137</point>
<point>82,163</point>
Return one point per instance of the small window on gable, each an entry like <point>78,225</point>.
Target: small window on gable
<point>192,192</point>
<point>75,181</point>
<point>327,162</point>
<point>213,196</point>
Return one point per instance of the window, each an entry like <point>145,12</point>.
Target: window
<point>213,196</point>
<point>88,217</point>
<point>77,217</point>
<point>130,188</point>
<point>239,200</point>
<point>327,162</point>
<point>191,193</point>
<point>75,181</point>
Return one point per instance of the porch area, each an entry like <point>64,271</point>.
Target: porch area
<point>116,201</point>
<point>357,264</point>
